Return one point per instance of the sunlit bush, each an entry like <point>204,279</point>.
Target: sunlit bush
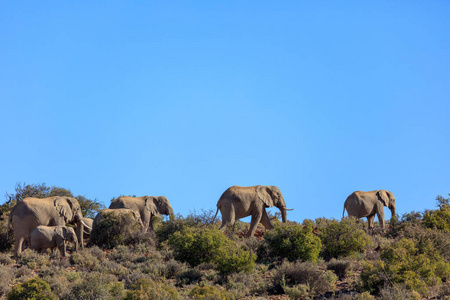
<point>292,241</point>
<point>210,292</point>
<point>439,219</point>
<point>146,288</point>
<point>209,245</point>
<point>340,239</point>
<point>407,262</point>
<point>34,288</point>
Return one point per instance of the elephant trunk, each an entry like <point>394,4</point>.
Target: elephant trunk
<point>283,214</point>
<point>393,210</point>
<point>171,214</point>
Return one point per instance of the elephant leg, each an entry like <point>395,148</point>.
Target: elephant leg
<point>18,245</point>
<point>380,215</point>
<point>266,221</point>
<point>370,220</point>
<point>228,218</point>
<point>256,218</point>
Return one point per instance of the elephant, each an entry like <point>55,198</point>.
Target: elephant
<point>366,204</point>
<point>146,206</point>
<point>45,237</point>
<point>101,234</point>
<point>53,211</point>
<point>238,202</point>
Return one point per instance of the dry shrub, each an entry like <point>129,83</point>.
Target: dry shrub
<point>95,285</point>
<point>243,284</point>
<point>7,278</point>
<point>290,274</point>
<point>341,267</point>
<point>32,259</point>
<point>85,261</point>
<point>398,292</point>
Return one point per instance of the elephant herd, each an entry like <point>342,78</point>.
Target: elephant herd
<point>41,223</point>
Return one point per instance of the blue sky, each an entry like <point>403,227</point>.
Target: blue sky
<point>187,98</point>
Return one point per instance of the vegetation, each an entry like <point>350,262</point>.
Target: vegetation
<point>189,258</point>
<point>113,230</point>
<point>209,245</point>
<point>293,242</point>
<point>342,238</point>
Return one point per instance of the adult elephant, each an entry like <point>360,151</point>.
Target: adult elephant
<point>368,204</point>
<point>53,211</point>
<point>238,202</point>
<point>146,206</point>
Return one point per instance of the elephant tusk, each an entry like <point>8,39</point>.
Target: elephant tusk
<point>289,209</point>
<point>85,225</point>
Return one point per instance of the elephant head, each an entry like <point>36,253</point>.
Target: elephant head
<point>64,234</point>
<point>159,206</point>
<point>271,196</point>
<point>70,210</point>
<point>388,200</point>
<point>164,206</point>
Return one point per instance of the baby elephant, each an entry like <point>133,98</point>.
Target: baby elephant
<point>44,237</point>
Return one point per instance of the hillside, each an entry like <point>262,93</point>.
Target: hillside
<point>189,258</point>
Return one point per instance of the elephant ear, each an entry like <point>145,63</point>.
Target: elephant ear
<point>383,196</point>
<point>64,208</point>
<point>264,196</point>
<point>61,232</point>
<point>151,206</point>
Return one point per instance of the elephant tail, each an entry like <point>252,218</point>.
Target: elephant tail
<point>343,212</point>
<point>218,207</point>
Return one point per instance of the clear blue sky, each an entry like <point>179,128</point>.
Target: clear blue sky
<point>187,98</point>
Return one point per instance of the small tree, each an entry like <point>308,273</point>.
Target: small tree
<point>209,245</point>
<point>293,241</point>
<point>440,218</point>
<point>22,191</point>
<point>34,288</point>
<point>343,238</point>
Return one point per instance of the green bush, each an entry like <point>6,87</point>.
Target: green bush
<point>209,245</point>
<point>439,219</point>
<point>114,229</point>
<point>340,239</point>
<point>292,241</point>
<point>189,276</point>
<point>34,288</point>
<point>209,292</point>
<point>145,288</point>
<point>424,237</point>
<point>407,262</point>
<point>167,229</point>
